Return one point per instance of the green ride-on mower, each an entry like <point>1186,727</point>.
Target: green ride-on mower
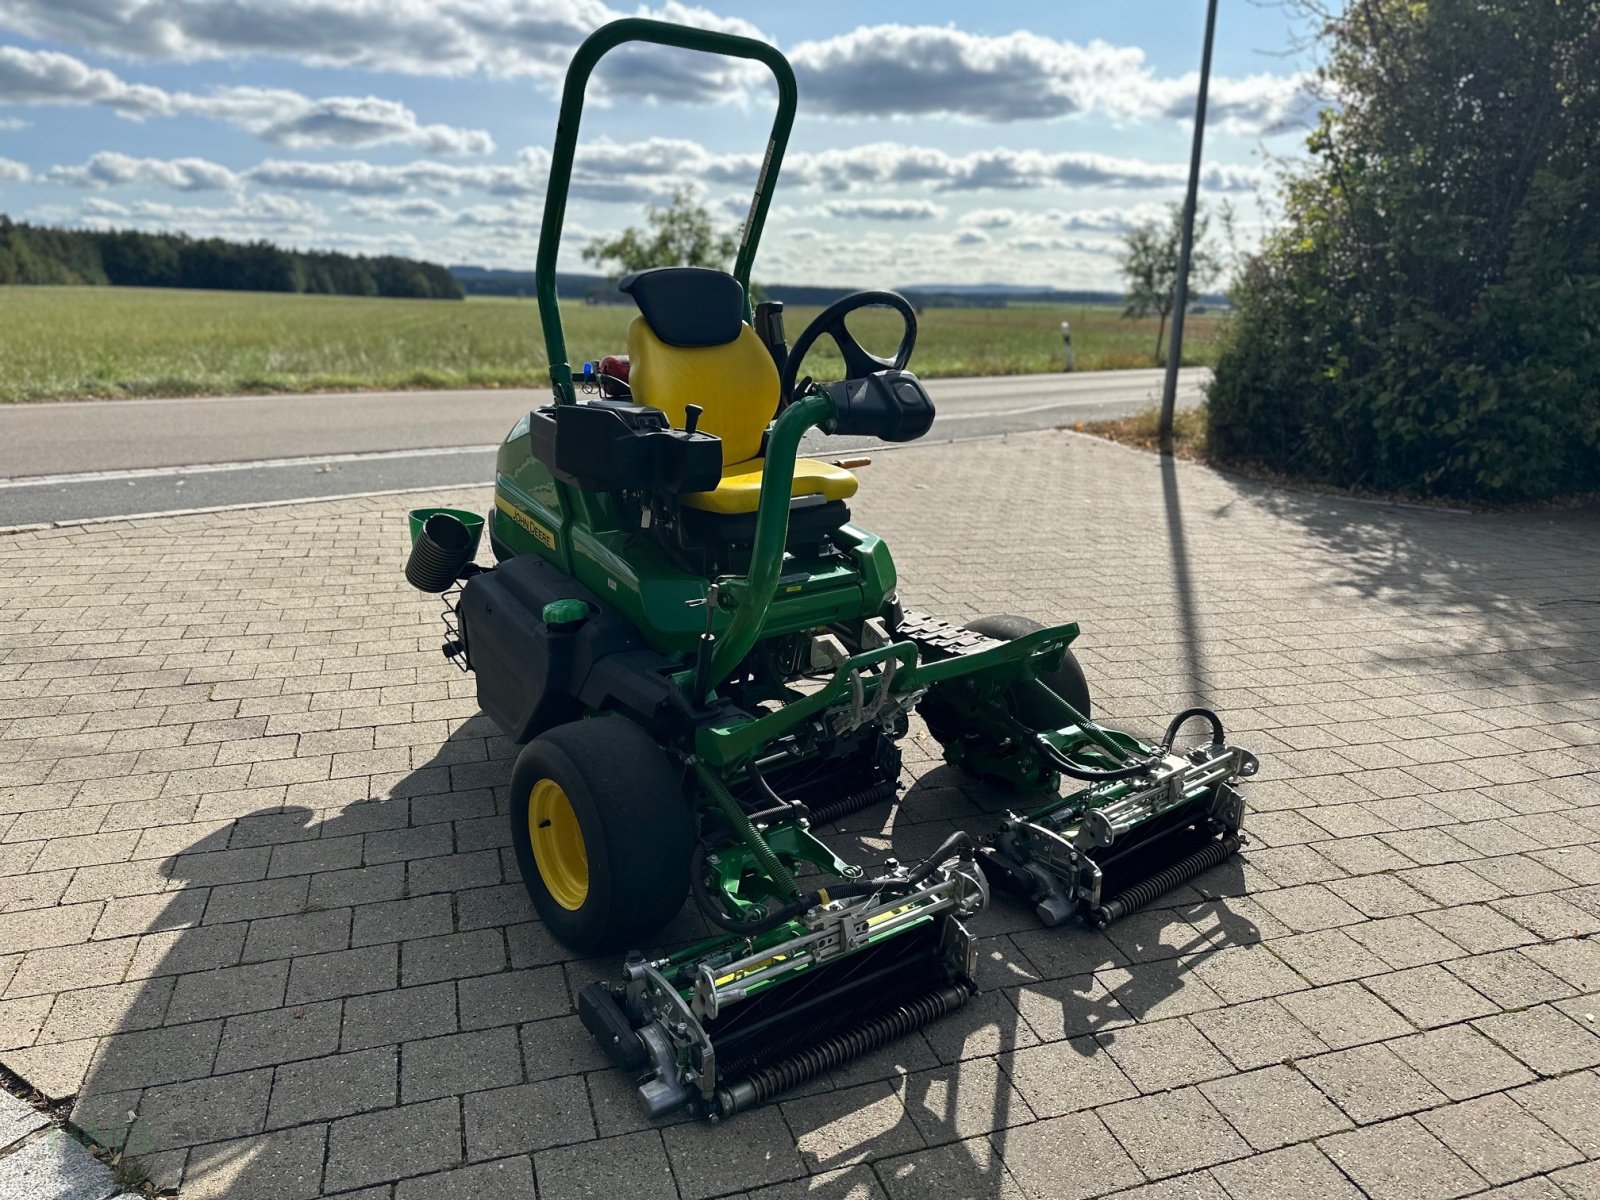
<point>705,661</point>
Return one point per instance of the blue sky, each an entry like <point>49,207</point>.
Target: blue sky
<point>1009,142</point>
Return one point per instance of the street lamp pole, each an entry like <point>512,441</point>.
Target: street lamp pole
<point>1180,297</point>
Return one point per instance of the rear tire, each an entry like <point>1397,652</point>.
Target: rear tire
<point>1066,681</point>
<point>602,833</point>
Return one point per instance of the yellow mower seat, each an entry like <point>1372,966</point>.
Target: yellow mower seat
<point>740,489</point>
<point>690,346</point>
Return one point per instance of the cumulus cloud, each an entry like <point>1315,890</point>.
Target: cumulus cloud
<point>264,213</point>
<point>1115,219</point>
<point>421,209</point>
<point>1001,168</point>
<point>12,171</point>
<point>45,77</point>
<point>360,178</point>
<point>884,210</point>
<point>299,122</point>
<point>40,77</point>
<point>874,71</point>
<point>419,37</point>
<point>110,168</point>
<point>925,70</point>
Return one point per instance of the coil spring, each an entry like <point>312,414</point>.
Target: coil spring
<point>1178,873</point>
<point>832,810</point>
<point>875,1031</point>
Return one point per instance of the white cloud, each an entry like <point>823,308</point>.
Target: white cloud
<point>359,178</point>
<point>110,168</point>
<point>1098,220</point>
<point>40,77</point>
<point>971,237</point>
<point>264,213</point>
<point>12,171</point>
<point>11,124</point>
<point>299,122</point>
<point>889,163</point>
<point>45,77</point>
<point>925,70</point>
<point>903,70</point>
<point>419,37</point>
<point>875,71</point>
<point>398,210</point>
<point>884,210</point>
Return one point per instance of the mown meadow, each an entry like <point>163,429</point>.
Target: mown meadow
<point>83,342</point>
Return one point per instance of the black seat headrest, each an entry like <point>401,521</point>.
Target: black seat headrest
<point>688,306</point>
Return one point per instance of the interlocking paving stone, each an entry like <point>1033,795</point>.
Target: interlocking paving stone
<point>1498,1140</point>
<point>338,1085</point>
<point>1173,1132</point>
<point>1296,1173</point>
<point>1400,1160</point>
<point>1545,1038</point>
<point>1274,1107</point>
<point>458,1063</point>
<point>634,1164</point>
<point>703,1164</point>
<point>413,1139</point>
<point>286,1165</point>
<point>1430,996</point>
<point>290,770</point>
<point>1165,1055</point>
<point>1033,1155</point>
<point>1370,1083</point>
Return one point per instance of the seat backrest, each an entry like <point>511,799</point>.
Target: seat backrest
<point>690,345</point>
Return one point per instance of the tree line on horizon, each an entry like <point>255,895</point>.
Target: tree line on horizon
<point>39,254</point>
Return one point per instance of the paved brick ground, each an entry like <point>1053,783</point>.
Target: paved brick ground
<point>257,915</point>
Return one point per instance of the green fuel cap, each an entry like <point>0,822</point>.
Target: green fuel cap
<point>565,614</point>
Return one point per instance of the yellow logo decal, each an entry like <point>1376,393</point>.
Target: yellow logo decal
<point>523,519</point>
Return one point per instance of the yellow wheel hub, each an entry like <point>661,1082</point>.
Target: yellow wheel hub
<point>558,849</point>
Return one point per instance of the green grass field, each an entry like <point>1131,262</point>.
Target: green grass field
<point>79,342</point>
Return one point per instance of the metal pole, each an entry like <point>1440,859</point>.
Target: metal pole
<point>1180,291</point>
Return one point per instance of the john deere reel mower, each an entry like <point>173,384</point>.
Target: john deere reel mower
<point>706,661</point>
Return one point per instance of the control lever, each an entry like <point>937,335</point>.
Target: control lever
<point>691,417</point>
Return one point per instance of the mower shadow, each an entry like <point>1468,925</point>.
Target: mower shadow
<point>932,1111</point>
<point>180,1082</point>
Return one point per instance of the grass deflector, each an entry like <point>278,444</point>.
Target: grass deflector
<point>705,661</point>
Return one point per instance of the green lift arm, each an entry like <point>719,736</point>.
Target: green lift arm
<point>595,47</point>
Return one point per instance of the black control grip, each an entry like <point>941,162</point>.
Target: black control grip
<point>891,405</point>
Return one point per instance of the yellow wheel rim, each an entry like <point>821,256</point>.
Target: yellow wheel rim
<point>558,849</point>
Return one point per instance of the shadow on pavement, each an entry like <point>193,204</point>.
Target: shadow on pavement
<point>1523,586</point>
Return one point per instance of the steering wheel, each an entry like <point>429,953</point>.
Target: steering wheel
<point>858,364</point>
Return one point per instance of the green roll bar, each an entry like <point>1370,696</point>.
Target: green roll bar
<point>595,46</point>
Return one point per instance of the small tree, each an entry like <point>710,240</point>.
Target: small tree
<point>1150,265</point>
<point>678,234</point>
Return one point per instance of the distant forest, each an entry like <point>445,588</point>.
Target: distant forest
<point>38,254</point>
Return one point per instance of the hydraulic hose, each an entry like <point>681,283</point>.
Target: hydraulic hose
<point>1218,737</point>
<point>1091,775</point>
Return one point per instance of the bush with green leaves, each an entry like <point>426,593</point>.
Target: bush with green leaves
<point>1427,318</point>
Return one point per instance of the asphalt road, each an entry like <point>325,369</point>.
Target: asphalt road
<point>86,459</point>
